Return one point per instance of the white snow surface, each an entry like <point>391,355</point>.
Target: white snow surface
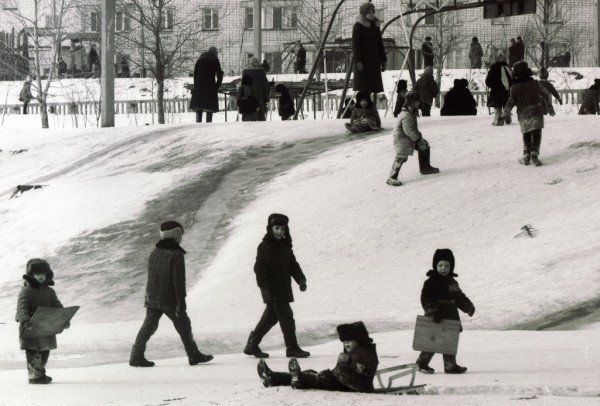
<point>364,246</point>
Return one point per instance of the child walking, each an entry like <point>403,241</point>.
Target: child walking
<point>36,292</point>
<point>353,372</point>
<point>441,298</point>
<point>407,138</point>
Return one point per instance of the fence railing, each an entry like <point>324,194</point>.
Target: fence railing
<point>226,104</point>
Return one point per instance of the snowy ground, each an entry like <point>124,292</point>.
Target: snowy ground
<point>365,248</point>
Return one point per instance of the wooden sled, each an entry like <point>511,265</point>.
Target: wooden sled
<point>390,389</point>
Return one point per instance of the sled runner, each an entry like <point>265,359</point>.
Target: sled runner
<point>390,389</point>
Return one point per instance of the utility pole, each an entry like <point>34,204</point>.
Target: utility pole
<point>107,70</point>
<point>258,29</point>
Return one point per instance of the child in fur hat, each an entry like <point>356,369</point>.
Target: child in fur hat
<point>441,298</point>
<point>286,107</point>
<point>547,105</point>
<point>353,372</point>
<point>36,292</point>
<point>407,138</point>
<point>365,116</point>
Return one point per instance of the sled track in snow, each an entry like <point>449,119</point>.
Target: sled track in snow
<point>571,318</point>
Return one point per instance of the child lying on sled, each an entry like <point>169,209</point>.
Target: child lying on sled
<point>353,372</point>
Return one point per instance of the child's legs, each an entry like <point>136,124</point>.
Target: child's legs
<point>147,330</point>
<point>266,322</point>
<point>285,316</point>
<point>425,358</point>
<point>449,361</point>
<point>183,325</point>
<point>36,362</point>
<point>398,162</point>
<point>498,116</point>
<point>199,116</point>
<point>324,380</point>
<point>426,109</point>
<point>536,140</point>
<point>209,115</point>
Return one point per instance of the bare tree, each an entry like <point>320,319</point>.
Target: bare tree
<point>44,22</point>
<point>167,35</point>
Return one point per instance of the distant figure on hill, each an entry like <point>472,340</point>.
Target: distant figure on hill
<point>265,65</point>
<point>369,53</point>
<point>459,101</point>
<point>208,77</point>
<point>365,116</point>
<point>520,49</point>
<point>301,59</point>
<point>286,103</point>
<point>591,99</point>
<point>475,54</point>
<point>499,79</point>
<point>260,87</point>
<point>25,95</point>
<point>428,89</point>
<point>401,91</point>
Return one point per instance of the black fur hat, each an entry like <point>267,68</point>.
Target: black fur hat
<point>443,254</point>
<point>37,265</point>
<point>402,85</point>
<point>521,70</point>
<point>277,219</point>
<point>354,331</point>
<point>281,88</point>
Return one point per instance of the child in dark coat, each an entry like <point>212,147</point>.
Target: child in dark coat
<point>365,116</point>
<point>246,100</point>
<point>354,371</point>
<point>441,298</point>
<point>286,103</point>
<point>400,97</point>
<point>547,105</point>
<point>36,292</point>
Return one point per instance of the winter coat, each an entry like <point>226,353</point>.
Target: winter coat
<point>349,376</point>
<point>208,77</point>
<point>550,91</point>
<point>400,99</point>
<point>475,54</point>
<point>260,87</point>
<point>367,47</point>
<point>25,96</point>
<point>520,51</point>
<point>513,54</point>
<point>591,99</point>
<point>32,296</point>
<point>93,58</point>
<point>459,102</point>
<point>498,80</point>
<point>301,58</point>
<point>406,133</point>
<point>427,87</point>
<point>286,105</point>
<point>527,94</point>
<point>370,115</point>
<point>442,296</point>
<point>246,101</point>
<point>428,55</point>
<point>275,267</point>
<point>165,289</point>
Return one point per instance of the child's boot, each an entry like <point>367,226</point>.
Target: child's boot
<point>293,350</point>
<point>423,363</point>
<point>265,374</point>
<point>295,372</point>
<point>451,367</point>
<point>137,358</point>
<point>42,380</point>
<point>424,162</point>
<point>198,358</point>
<point>393,179</point>
<point>526,159</point>
<point>252,347</point>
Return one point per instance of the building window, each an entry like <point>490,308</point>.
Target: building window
<point>249,18</point>
<point>290,17</point>
<point>122,21</point>
<point>501,21</point>
<point>94,22</point>
<point>279,17</point>
<point>267,17</point>
<point>429,20</point>
<point>167,20</point>
<point>211,19</point>
<point>379,14</point>
<point>554,10</point>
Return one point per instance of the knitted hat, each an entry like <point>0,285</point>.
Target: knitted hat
<point>212,51</point>
<point>521,70</point>
<point>402,85</point>
<point>365,8</point>
<point>475,39</point>
<point>543,73</point>
<point>354,331</point>
<point>170,230</point>
<point>443,254</point>
<point>411,97</point>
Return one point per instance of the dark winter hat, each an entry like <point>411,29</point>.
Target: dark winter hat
<point>544,73</point>
<point>475,39</point>
<point>366,8</point>
<point>402,85</point>
<point>354,331</point>
<point>281,88</point>
<point>597,82</point>
<point>428,38</point>
<point>212,51</point>
<point>411,97</point>
<point>456,82</point>
<point>464,83</point>
<point>521,70</point>
<point>443,254</point>
<point>170,230</point>
<point>247,80</point>
<point>277,219</point>
<point>37,265</point>
<point>363,96</point>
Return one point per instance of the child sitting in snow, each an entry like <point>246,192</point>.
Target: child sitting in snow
<point>407,138</point>
<point>354,371</point>
<point>365,116</point>
<point>441,298</point>
<point>36,292</point>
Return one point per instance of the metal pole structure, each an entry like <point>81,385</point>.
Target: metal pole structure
<point>258,29</point>
<point>411,67</point>
<point>342,109</point>
<point>326,90</point>
<point>107,69</point>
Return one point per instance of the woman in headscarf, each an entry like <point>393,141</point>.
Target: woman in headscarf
<point>368,50</point>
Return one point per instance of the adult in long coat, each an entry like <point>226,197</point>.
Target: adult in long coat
<point>528,95</point>
<point>369,54</point>
<point>25,96</point>
<point>513,52</point>
<point>591,99</point>
<point>475,53</point>
<point>301,59</point>
<point>520,49</point>
<point>275,267</point>
<point>428,89</point>
<point>459,101</point>
<point>260,86</point>
<point>428,53</point>
<point>208,77</point>
<point>498,80</point>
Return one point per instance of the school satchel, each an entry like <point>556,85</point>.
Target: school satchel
<point>441,338</point>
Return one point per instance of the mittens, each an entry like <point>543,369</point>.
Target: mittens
<point>471,311</point>
<point>302,286</point>
<point>437,317</point>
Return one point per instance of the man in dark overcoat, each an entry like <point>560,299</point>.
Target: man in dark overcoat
<point>499,80</point>
<point>260,87</point>
<point>275,267</point>
<point>369,54</point>
<point>428,54</point>
<point>459,100</point>
<point>520,49</point>
<point>513,52</point>
<point>301,59</point>
<point>165,294</point>
<point>208,77</point>
<point>428,89</point>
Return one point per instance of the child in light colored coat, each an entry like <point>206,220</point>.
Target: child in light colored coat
<point>365,116</point>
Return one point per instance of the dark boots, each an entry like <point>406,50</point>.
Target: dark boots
<point>295,371</point>
<point>451,367</point>
<point>526,159</point>
<point>423,363</point>
<point>531,148</point>
<point>42,380</point>
<point>293,350</point>
<point>393,179</point>
<point>198,358</point>
<point>270,378</point>
<point>137,358</point>
<point>252,347</point>
<point>424,162</point>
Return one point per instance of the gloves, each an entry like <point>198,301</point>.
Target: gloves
<point>383,66</point>
<point>359,66</point>
<point>27,325</point>
<point>560,101</point>
<point>302,286</point>
<point>67,325</point>
<point>437,317</point>
<point>343,357</point>
<point>266,295</point>
<point>471,311</point>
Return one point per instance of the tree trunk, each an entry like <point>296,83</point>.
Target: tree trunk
<point>44,112</point>
<point>160,82</point>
